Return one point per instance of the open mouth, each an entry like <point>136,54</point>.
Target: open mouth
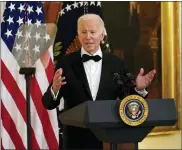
<point>89,44</point>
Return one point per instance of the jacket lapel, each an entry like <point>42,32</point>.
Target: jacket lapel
<point>80,73</point>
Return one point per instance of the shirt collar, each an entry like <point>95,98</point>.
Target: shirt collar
<point>99,52</point>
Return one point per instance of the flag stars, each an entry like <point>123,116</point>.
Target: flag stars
<point>38,10</point>
<point>68,7</point>
<point>36,48</point>
<point>21,8</point>
<point>37,36</point>
<point>38,23</point>
<point>10,20</point>
<point>17,47</point>
<point>99,4</point>
<point>92,3</point>
<point>27,36</point>
<point>81,4</point>
<point>8,33</point>
<point>26,48</point>
<point>75,5</point>
<point>20,21</point>
<point>29,22</point>
<point>85,3</point>
<point>19,34</point>
<point>62,12</point>
<point>30,9</point>
<point>11,7</point>
<point>47,37</point>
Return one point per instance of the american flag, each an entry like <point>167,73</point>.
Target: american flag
<point>44,124</point>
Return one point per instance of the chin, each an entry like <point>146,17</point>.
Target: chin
<point>91,50</point>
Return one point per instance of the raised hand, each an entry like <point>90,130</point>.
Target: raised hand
<point>143,81</point>
<point>58,81</point>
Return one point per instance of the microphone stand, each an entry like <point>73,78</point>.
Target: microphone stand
<point>113,146</point>
<point>28,72</point>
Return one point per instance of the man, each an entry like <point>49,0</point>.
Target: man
<point>78,79</point>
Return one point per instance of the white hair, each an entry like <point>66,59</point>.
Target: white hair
<point>88,17</point>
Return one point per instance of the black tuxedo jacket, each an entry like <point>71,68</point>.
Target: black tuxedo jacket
<point>77,91</point>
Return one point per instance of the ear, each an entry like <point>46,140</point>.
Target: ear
<point>102,36</point>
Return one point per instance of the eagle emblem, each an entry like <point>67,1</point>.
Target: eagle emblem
<point>133,110</point>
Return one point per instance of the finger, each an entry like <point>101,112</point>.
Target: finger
<point>60,84</point>
<point>58,74</point>
<point>141,72</point>
<point>63,83</point>
<point>62,79</point>
<point>151,74</point>
<point>149,78</point>
<point>59,71</point>
<point>154,71</point>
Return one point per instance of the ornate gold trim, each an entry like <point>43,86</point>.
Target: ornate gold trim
<point>164,133</point>
<point>170,14</point>
<point>171,58</point>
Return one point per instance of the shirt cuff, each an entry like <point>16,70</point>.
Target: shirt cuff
<point>53,95</point>
<point>142,92</point>
<point>61,105</point>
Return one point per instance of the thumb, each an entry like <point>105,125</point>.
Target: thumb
<point>141,72</point>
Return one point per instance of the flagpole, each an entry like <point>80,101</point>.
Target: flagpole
<point>28,72</point>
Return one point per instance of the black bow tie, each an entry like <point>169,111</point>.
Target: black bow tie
<point>86,57</point>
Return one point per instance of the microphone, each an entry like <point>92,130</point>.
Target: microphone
<point>131,80</point>
<point>117,79</point>
<point>127,80</point>
<point>120,81</point>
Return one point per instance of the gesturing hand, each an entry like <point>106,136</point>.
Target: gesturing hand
<point>58,81</point>
<point>143,81</point>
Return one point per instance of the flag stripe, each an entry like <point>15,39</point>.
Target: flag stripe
<point>37,126</point>
<point>43,114</point>
<point>10,128</point>
<point>50,68</point>
<point>2,144</point>
<point>17,96</point>
<point>41,80</point>
<point>13,111</point>
<point>6,142</point>
<point>50,71</point>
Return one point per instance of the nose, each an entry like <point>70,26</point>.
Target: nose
<point>88,35</point>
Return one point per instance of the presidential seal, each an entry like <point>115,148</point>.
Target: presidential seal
<point>133,110</point>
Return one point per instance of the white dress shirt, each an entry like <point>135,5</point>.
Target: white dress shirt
<point>93,72</point>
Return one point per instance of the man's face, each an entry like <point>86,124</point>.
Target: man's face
<point>90,34</point>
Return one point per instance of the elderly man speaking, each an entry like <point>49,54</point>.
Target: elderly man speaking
<point>87,75</point>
